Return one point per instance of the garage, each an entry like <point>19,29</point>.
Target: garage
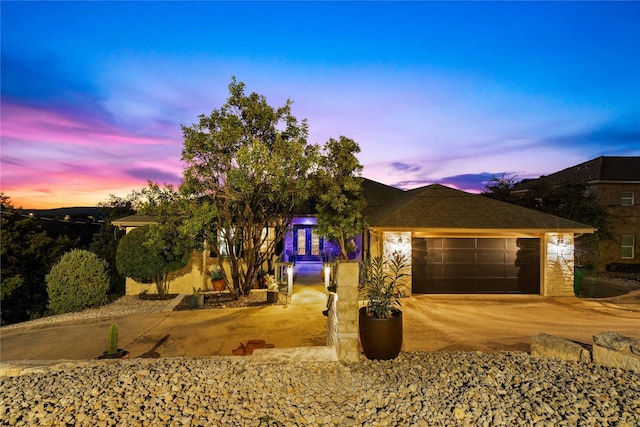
<point>476,265</point>
<point>462,243</point>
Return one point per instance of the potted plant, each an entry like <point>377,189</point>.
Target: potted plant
<point>217,281</point>
<point>197,299</point>
<point>272,289</point>
<point>113,351</point>
<point>380,320</point>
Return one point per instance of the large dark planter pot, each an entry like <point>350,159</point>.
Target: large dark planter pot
<point>381,338</point>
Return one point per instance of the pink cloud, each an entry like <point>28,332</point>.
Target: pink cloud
<point>30,123</point>
<point>56,158</point>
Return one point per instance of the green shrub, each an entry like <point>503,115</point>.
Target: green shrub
<point>79,280</point>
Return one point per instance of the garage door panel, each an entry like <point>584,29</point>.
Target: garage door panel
<point>458,257</point>
<point>511,271</point>
<point>471,265</point>
<point>490,270</point>
<point>491,257</point>
<point>458,270</point>
<point>434,271</point>
<point>497,244</point>
<point>433,243</point>
<point>434,256</point>
<point>458,243</point>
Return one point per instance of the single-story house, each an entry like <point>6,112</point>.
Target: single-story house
<point>457,242</point>
<point>466,243</point>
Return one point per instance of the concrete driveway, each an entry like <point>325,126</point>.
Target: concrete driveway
<point>507,322</point>
<point>431,322</point>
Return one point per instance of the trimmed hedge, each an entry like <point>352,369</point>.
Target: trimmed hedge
<point>79,280</point>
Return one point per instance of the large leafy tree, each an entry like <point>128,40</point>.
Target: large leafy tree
<point>246,170</point>
<point>339,199</point>
<point>24,263</point>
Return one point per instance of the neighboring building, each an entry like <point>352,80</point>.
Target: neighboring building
<point>130,222</point>
<point>457,242</point>
<point>615,182</point>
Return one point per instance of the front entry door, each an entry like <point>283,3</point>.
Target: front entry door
<point>307,243</point>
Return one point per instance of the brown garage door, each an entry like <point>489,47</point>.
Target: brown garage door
<point>475,265</point>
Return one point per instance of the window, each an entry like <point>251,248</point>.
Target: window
<point>627,242</point>
<point>627,198</point>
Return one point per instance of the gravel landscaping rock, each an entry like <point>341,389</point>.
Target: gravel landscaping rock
<point>417,389</point>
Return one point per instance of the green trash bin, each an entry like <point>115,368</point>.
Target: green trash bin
<point>578,274</point>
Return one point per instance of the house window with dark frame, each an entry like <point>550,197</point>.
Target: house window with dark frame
<point>627,198</point>
<point>627,242</point>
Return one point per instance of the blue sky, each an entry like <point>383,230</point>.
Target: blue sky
<point>93,93</point>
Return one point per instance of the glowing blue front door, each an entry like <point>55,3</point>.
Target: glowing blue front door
<point>307,244</point>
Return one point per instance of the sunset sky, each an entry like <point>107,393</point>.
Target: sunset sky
<point>93,93</point>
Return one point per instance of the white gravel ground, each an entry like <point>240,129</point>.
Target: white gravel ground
<point>417,389</point>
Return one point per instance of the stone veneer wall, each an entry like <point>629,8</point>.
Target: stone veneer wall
<point>342,325</point>
<point>558,264</point>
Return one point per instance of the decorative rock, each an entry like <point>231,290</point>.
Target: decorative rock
<point>616,351</point>
<point>545,345</point>
<point>419,389</point>
<point>616,359</point>
<point>614,341</point>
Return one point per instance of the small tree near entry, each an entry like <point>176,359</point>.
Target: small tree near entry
<point>340,201</point>
<point>246,170</point>
<point>137,257</point>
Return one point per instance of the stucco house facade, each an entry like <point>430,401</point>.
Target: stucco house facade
<point>457,242</point>
<point>615,183</point>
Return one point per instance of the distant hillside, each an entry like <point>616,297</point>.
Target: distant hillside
<point>74,213</point>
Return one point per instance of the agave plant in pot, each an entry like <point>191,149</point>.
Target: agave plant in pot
<point>380,320</point>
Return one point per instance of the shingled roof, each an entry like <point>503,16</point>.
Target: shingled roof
<point>604,168</point>
<point>377,194</point>
<point>439,207</point>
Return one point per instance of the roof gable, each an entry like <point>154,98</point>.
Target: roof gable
<point>603,168</point>
<point>377,194</point>
<point>439,207</point>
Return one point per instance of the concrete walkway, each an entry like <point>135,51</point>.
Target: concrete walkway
<point>431,322</point>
